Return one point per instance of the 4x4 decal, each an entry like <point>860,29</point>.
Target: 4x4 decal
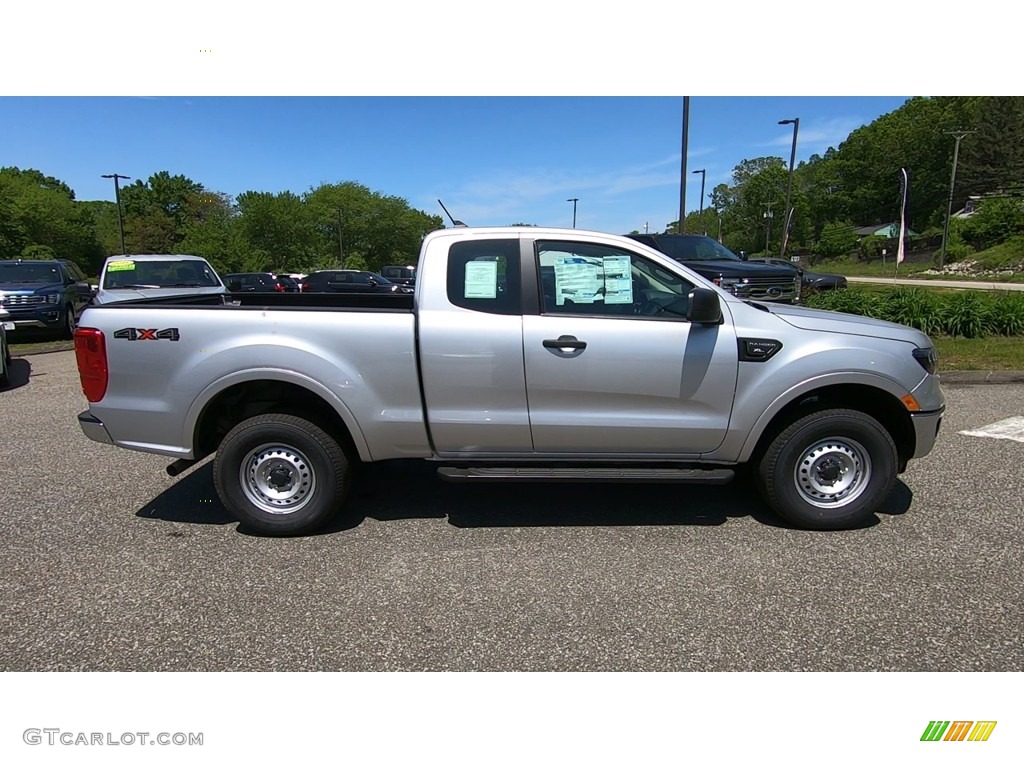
<point>147,334</point>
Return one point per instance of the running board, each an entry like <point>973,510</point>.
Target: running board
<point>576,474</point>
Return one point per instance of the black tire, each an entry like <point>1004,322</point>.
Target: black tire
<point>5,379</point>
<point>68,331</point>
<point>296,475</point>
<point>829,470</point>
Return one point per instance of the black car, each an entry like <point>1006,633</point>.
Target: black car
<point>255,282</point>
<point>712,260</point>
<point>291,285</point>
<point>812,282</point>
<point>350,281</point>
<point>44,294</point>
<point>403,275</point>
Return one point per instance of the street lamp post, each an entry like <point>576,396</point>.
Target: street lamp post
<point>703,177</point>
<point>117,198</point>
<point>573,200</point>
<point>788,212</point>
<point>952,180</point>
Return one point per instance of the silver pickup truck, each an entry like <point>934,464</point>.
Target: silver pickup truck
<point>525,354</point>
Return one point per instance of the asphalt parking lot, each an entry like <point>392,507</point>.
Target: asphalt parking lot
<point>111,565</point>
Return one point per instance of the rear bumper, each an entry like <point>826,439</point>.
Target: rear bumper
<point>926,430</point>
<point>93,428</point>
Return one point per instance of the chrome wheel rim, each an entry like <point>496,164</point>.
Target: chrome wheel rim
<point>277,478</point>
<point>70,322</point>
<point>833,473</point>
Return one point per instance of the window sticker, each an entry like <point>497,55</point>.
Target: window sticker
<point>121,265</point>
<point>618,280</point>
<point>588,279</point>
<point>578,279</point>
<point>481,280</point>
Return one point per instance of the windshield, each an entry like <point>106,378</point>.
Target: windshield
<point>27,272</point>
<point>695,248</point>
<point>128,274</point>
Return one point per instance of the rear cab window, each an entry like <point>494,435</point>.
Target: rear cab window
<point>483,275</point>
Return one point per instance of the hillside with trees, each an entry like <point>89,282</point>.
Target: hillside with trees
<point>857,184</point>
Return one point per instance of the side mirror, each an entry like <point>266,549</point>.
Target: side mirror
<point>234,286</point>
<point>83,290</point>
<point>373,282</point>
<point>704,307</point>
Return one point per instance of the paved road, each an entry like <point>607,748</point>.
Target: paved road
<point>973,284</point>
<point>111,565</point>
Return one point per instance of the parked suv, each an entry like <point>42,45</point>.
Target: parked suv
<point>48,294</point>
<point>742,278</point>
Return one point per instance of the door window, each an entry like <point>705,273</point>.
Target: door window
<point>598,280</point>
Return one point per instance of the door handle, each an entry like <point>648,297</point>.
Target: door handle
<point>565,344</point>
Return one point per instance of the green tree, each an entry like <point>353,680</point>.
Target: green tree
<point>992,159</point>
<point>39,210</point>
<point>381,229</point>
<point>837,239</point>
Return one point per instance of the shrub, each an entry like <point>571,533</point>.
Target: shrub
<point>971,314</point>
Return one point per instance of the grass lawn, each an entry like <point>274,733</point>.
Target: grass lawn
<point>994,353</point>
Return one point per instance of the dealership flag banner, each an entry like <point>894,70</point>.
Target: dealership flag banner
<point>904,191</point>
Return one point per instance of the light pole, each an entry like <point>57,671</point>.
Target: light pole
<point>573,200</point>
<point>952,180</point>
<point>117,198</point>
<point>703,178</point>
<point>682,173</point>
<point>341,250</point>
<point>789,185</point>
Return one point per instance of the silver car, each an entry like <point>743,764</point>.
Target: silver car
<point>154,275</point>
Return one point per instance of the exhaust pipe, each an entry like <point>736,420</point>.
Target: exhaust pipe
<point>180,466</point>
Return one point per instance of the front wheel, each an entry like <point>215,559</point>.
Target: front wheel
<point>69,323</point>
<point>281,475</point>
<point>829,470</point>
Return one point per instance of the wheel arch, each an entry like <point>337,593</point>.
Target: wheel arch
<point>879,402</point>
<point>236,398</point>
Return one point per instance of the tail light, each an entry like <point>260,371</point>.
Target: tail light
<point>303,287</point>
<point>278,287</point>
<point>91,353</point>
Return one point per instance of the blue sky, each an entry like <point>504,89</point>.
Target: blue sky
<point>492,160</point>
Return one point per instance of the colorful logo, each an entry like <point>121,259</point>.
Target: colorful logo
<point>958,730</point>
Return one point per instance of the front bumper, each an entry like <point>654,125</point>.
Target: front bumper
<point>93,428</point>
<point>926,430</point>
<point>48,316</point>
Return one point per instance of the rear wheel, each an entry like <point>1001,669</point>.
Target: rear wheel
<point>829,470</point>
<point>281,475</point>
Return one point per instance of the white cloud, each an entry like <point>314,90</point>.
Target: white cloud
<point>817,135</point>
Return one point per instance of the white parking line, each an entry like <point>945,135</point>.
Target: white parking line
<point>1007,429</point>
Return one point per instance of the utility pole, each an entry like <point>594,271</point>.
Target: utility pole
<point>952,181</point>
<point>341,251</point>
<point>788,211</point>
<point>682,173</point>
<point>573,200</point>
<point>117,197</point>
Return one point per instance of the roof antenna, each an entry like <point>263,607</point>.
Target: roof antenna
<point>455,222</point>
